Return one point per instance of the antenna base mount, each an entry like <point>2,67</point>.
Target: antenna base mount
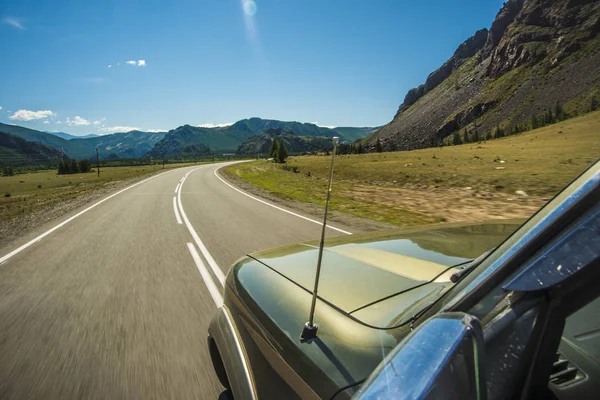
<point>308,332</point>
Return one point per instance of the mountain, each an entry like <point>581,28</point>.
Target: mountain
<point>537,53</point>
<point>227,139</point>
<point>260,144</point>
<point>68,136</point>
<point>185,141</point>
<point>132,144</point>
<point>63,135</point>
<point>15,151</point>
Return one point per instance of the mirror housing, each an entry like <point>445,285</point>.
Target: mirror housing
<point>442,358</point>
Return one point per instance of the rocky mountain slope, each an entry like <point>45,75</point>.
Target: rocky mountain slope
<point>535,54</point>
<point>260,144</point>
<point>15,151</point>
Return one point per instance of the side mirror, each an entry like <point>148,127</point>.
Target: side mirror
<point>442,358</point>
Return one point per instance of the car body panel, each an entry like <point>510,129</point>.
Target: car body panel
<point>269,300</point>
<point>363,269</point>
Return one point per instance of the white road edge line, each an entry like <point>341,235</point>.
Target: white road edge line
<point>176,211</point>
<point>209,259</point>
<point>208,281</point>
<point>43,235</point>
<point>279,208</point>
<point>177,187</point>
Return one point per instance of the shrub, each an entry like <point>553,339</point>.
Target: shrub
<point>290,168</point>
<point>7,194</point>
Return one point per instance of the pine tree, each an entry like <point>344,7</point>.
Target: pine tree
<point>282,153</point>
<point>273,148</point>
<point>73,169</point>
<point>61,168</point>
<point>476,135</point>
<point>456,139</point>
<point>593,104</point>
<point>534,122</point>
<point>558,111</point>
<point>84,166</point>
<point>378,146</point>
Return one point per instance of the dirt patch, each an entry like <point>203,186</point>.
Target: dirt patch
<point>451,204</point>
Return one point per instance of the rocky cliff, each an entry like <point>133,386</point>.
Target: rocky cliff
<point>536,53</point>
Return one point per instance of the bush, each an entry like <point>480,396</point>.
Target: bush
<point>6,194</point>
<point>290,168</point>
<point>8,171</point>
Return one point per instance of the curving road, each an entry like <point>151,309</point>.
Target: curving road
<point>113,301</point>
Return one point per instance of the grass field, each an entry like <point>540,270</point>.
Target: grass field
<point>30,192</point>
<point>504,178</point>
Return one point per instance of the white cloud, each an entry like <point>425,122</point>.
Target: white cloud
<point>109,65</point>
<point>14,22</point>
<point>138,63</point>
<point>77,121</point>
<point>58,122</point>
<point>46,122</point>
<point>113,129</point>
<point>27,115</point>
<point>211,125</point>
<point>156,130</point>
<point>100,121</point>
<point>0,107</point>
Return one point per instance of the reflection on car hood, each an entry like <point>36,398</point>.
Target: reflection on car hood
<point>368,274</point>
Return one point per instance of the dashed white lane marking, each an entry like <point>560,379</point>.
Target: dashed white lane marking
<point>177,187</point>
<point>43,235</point>
<point>278,208</point>
<point>208,281</point>
<point>207,256</point>
<point>176,211</point>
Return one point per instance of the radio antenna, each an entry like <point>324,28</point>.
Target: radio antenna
<point>310,329</point>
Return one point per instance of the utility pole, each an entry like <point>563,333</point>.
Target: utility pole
<point>97,162</point>
<point>152,162</point>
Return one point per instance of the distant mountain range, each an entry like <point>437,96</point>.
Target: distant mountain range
<point>132,144</point>
<point>68,136</point>
<point>228,139</point>
<point>15,151</point>
<point>186,140</point>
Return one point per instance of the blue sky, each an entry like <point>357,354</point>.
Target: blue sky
<point>337,63</point>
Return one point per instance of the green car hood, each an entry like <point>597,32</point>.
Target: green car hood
<point>373,277</point>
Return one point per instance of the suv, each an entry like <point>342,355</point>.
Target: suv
<point>492,310</point>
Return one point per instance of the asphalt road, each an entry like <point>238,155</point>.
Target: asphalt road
<point>115,303</point>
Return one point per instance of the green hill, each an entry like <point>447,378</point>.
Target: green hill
<point>15,151</point>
